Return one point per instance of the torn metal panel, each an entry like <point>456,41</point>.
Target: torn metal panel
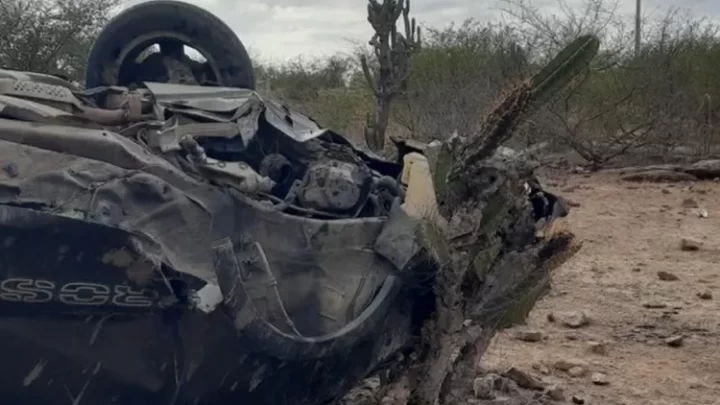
<point>172,93</point>
<point>293,124</point>
<point>27,110</point>
<point>36,78</point>
<point>58,95</point>
<point>168,138</point>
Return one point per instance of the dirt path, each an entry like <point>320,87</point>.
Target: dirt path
<point>630,232</point>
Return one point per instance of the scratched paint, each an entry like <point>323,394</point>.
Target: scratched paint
<point>257,377</point>
<point>35,373</point>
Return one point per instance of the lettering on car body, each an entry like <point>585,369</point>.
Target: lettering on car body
<point>77,293</point>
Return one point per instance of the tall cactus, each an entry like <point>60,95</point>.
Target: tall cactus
<point>501,122</point>
<point>393,52</point>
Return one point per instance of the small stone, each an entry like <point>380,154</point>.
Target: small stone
<point>667,276</point>
<point>572,336</point>
<point>695,384</point>
<point>690,245</point>
<point>576,320</point>
<point>705,295</point>
<point>566,365</point>
<point>540,368</point>
<point>665,191</point>
<point>577,400</point>
<point>600,379</point>
<point>556,393</point>
<point>690,203</point>
<point>523,379</point>
<point>528,335</point>
<point>576,372</point>
<point>551,317</point>
<point>505,385</point>
<point>675,341</point>
<point>597,348</point>
<point>655,305</point>
<point>483,387</point>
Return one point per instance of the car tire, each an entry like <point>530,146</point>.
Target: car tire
<point>199,28</point>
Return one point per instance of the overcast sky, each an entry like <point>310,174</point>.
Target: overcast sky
<point>278,30</point>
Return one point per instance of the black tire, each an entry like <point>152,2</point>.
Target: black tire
<point>204,30</point>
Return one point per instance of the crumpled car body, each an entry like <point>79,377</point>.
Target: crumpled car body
<point>168,244</point>
<point>147,260</point>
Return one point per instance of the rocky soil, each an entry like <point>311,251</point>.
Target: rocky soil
<point>634,317</point>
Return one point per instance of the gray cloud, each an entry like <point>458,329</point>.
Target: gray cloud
<point>282,29</point>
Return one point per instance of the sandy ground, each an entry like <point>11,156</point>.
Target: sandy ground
<point>630,232</point>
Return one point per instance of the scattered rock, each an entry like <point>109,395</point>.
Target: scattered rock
<point>577,400</point>
<point>695,384</point>
<point>675,341</point>
<point>483,387</point>
<point>600,379</point>
<point>541,368</point>
<point>576,372</point>
<point>528,335</point>
<point>556,393</point>
<point>576,320</point>
<point>659,176</point>
<point>571,336</point>
<point>505,385</point>
<point>597,348</point>
<point>690,203</point>
<point>551,317</point>
<point>690,245</point>
<point>566,365</point>
<point>665,191</point>
<point>523,379</point>
<point>655,304</point>
<point>705,295</point>
<point>667,276</point>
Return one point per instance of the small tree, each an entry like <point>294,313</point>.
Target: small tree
<point>50,36</point>
<point>393,52</point>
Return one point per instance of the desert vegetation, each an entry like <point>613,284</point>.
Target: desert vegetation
<point>656,104</point>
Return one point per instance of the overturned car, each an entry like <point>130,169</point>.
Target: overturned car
<point>169,236</point>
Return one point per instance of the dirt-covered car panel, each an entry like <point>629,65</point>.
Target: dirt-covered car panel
<point>313,208</point>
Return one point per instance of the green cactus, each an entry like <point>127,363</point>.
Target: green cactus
<point>563,68</point>
<point>527,97</point>
<point>393,51</point>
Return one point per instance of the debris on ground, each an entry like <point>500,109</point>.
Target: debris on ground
<point>575,319</point>
<point>690,245</point>
<point>675,341</point>
<point>667,276</point>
